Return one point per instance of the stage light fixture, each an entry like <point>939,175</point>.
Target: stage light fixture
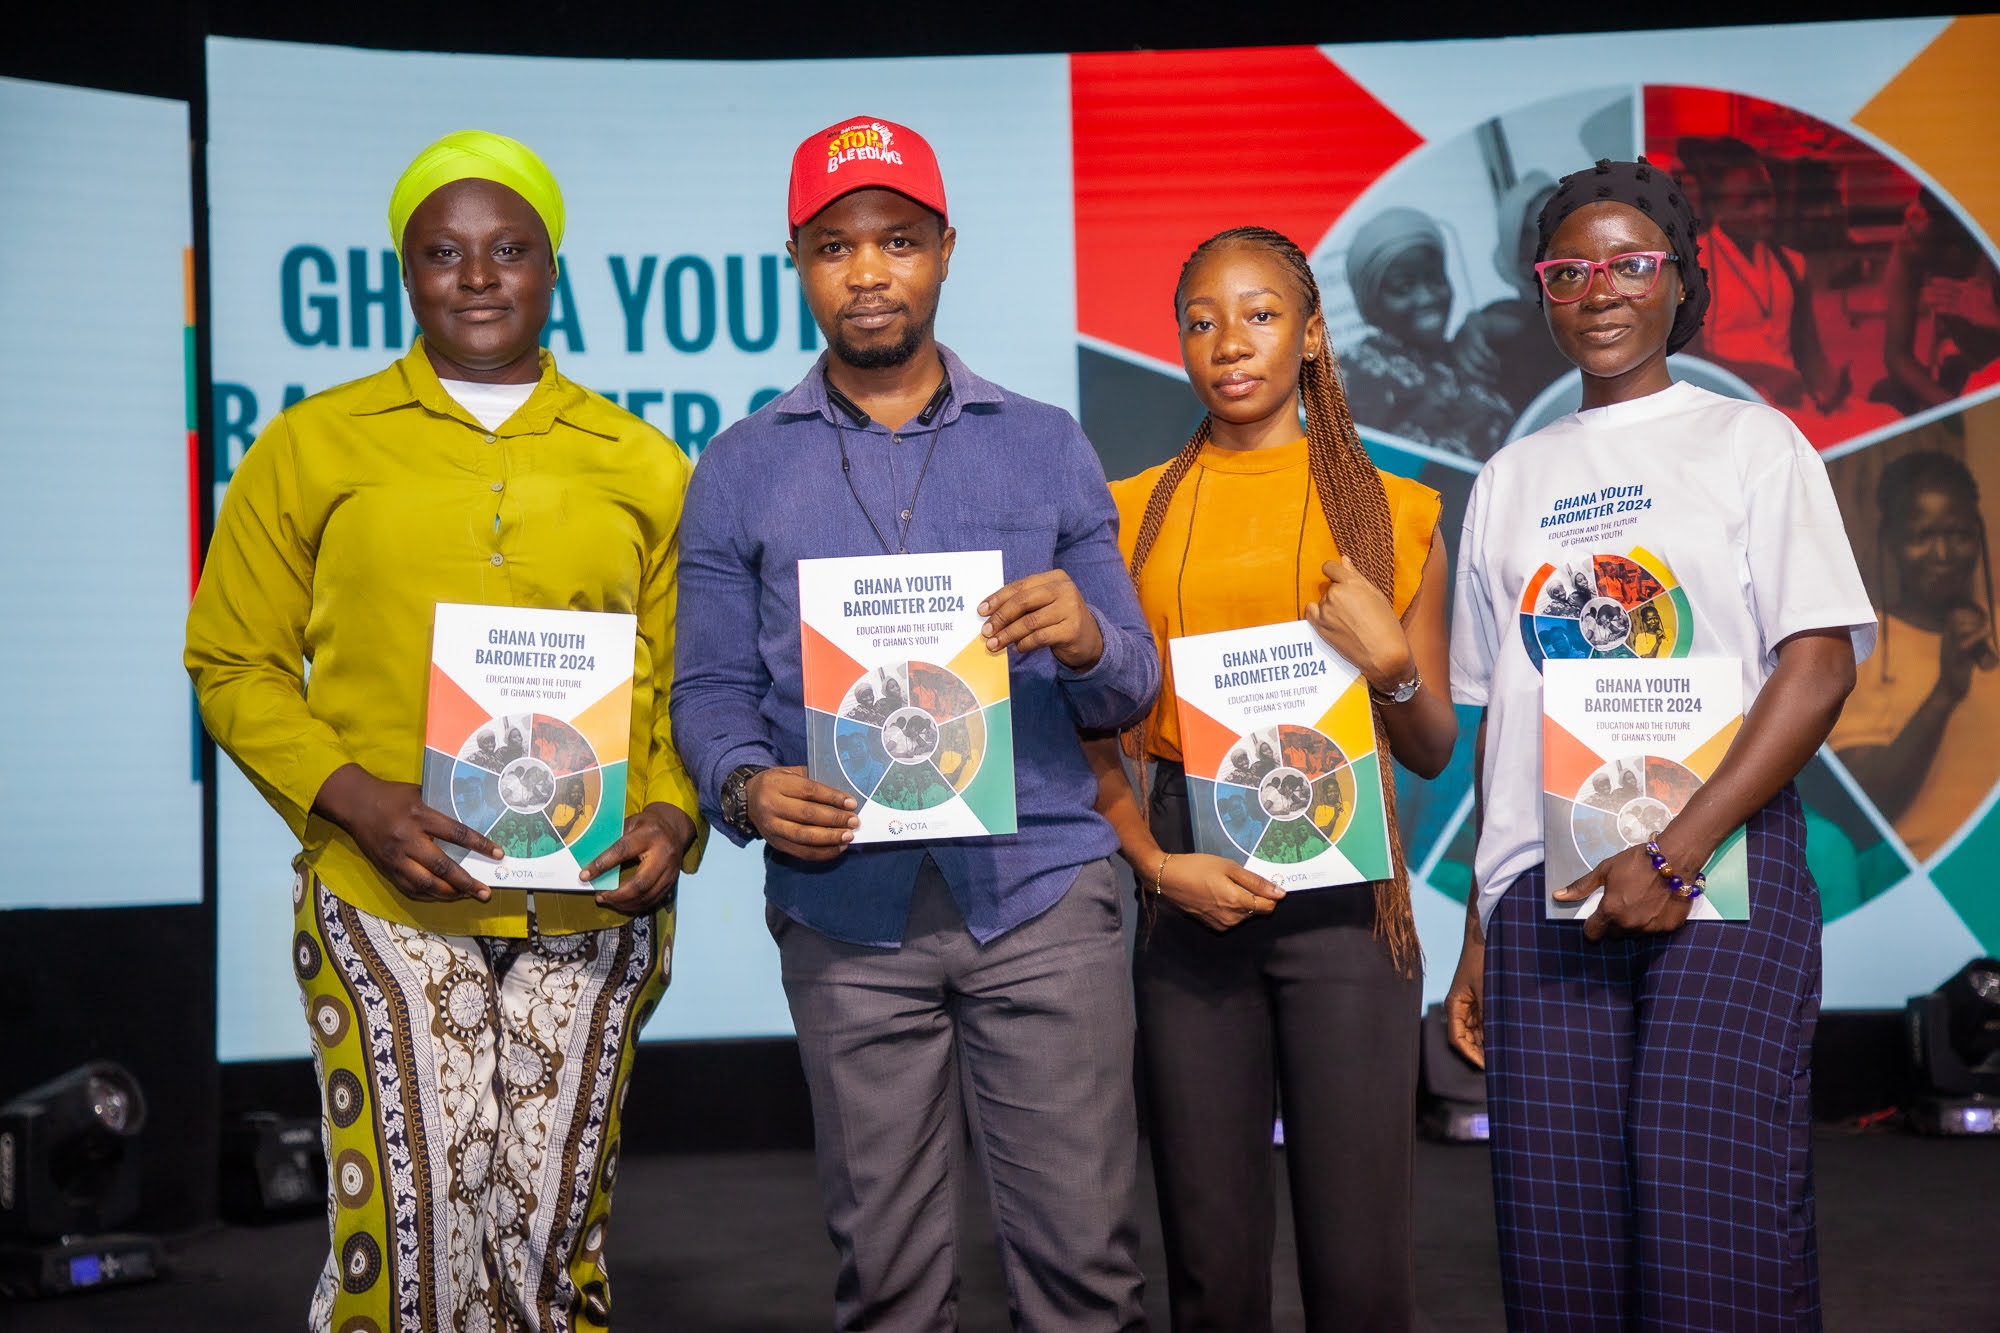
<point>69,1172</point>
<point>1954,1043</point>
<point>1451,1090</point>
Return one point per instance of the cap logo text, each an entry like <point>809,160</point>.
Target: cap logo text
<point>859,143</point>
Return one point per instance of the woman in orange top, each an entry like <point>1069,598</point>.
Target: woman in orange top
<point>1243,993</point>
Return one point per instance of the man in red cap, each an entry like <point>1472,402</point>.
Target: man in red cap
<point>928,981</point>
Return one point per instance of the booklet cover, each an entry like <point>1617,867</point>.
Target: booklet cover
<point>905,708</point>
<point>1279,743</point>
<point>1625,743</point>
<point>526,735</point>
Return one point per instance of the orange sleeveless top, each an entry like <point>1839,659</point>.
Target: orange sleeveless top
<point>1242,544</point>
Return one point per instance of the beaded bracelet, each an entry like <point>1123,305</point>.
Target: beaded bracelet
<point>1160,874</point>
<point>1681,888</point>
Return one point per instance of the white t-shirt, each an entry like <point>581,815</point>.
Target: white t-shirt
<point>1707,521</point>
<point>490,404</point>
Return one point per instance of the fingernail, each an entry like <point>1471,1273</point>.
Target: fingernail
<point>847,835</point>
<point>982,608</point>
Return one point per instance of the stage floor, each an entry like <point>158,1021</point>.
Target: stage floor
<point>732,1243</point>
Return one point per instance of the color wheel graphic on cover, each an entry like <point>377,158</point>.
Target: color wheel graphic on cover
<point>1284,794</point>
<point>1625,803</point>
<point>530,782</point>
<point>1605,606</point>
<point>910,735</point>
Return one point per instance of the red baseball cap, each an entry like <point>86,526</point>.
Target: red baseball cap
<point>861,153</point>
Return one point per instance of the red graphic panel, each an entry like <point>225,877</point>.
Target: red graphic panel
<point>1842,293</point>
<point>1171,147</point>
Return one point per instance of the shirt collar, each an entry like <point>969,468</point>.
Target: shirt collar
<point>415,380</point>
<point>808,398</point>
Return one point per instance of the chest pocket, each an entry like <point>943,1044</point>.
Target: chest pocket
<point>1025,535</point>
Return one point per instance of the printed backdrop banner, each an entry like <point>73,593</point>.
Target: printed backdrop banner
<point>97,528</point>
<point>1849,175</point>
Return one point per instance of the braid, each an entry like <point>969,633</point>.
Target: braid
<point>1356,510</point>
<point>1163,495</point>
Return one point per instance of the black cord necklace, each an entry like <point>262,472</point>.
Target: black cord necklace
<point>1187,548</point>
<point>847,406</point>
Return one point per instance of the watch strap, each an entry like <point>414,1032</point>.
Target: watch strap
<point>735,798</point>
<point>1402,693</point>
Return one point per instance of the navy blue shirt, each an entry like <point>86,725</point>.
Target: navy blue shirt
<point>1007,474</point>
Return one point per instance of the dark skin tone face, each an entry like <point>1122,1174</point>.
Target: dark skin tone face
<point>1415,298</point>
<point>1936,547</point>
<point>873,264</point>
<point>1745,205</point>
<point>480,273</point>
<point>1618,342</point>
<point>1245,327</point>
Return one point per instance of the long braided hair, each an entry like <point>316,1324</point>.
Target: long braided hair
<point>1356,510</point>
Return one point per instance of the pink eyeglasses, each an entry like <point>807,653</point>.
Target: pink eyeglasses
<point>1633,274</point>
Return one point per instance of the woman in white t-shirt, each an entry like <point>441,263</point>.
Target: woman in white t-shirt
<point>1648,1076</point>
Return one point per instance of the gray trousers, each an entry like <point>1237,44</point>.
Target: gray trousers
<point>1028,1041</point>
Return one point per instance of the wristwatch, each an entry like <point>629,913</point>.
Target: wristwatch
<point>1401,694</point>
<point>736,799</point>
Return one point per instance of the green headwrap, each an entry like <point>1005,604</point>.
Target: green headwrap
<point>477,155</point>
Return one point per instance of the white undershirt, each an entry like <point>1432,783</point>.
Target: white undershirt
<point>490,404</point>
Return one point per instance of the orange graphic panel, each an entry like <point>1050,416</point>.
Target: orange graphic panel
<point>1703,761</point>
<point>829,671</point>
<point>1566,761</point>
<point>1350,723</point>
<point>1933,108</point>
<point>607,724</point>
<point>452,715</point>
<point>1203,740</point>
<point>983,672</point>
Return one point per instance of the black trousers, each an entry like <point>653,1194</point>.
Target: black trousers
<point>1302,1004</point>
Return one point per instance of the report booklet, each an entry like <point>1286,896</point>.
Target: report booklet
<point>1625,743</point>
<point>905,709</point>
<point>526,737</point>
<point>1279,742</point>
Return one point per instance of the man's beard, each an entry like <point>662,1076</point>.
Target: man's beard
<point>882,357</point>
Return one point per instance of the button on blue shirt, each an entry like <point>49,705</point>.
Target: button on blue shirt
<point>1007,474</point>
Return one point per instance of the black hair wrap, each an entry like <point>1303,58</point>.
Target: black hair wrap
<point>1643,186</point>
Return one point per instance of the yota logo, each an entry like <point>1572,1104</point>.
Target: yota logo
<point>500,872</point>
<point>896,827</point>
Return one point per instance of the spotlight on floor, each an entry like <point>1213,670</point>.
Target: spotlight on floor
<point>69,1172</point>
<point>1954,1042</point>
<point>1451,1090</point>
